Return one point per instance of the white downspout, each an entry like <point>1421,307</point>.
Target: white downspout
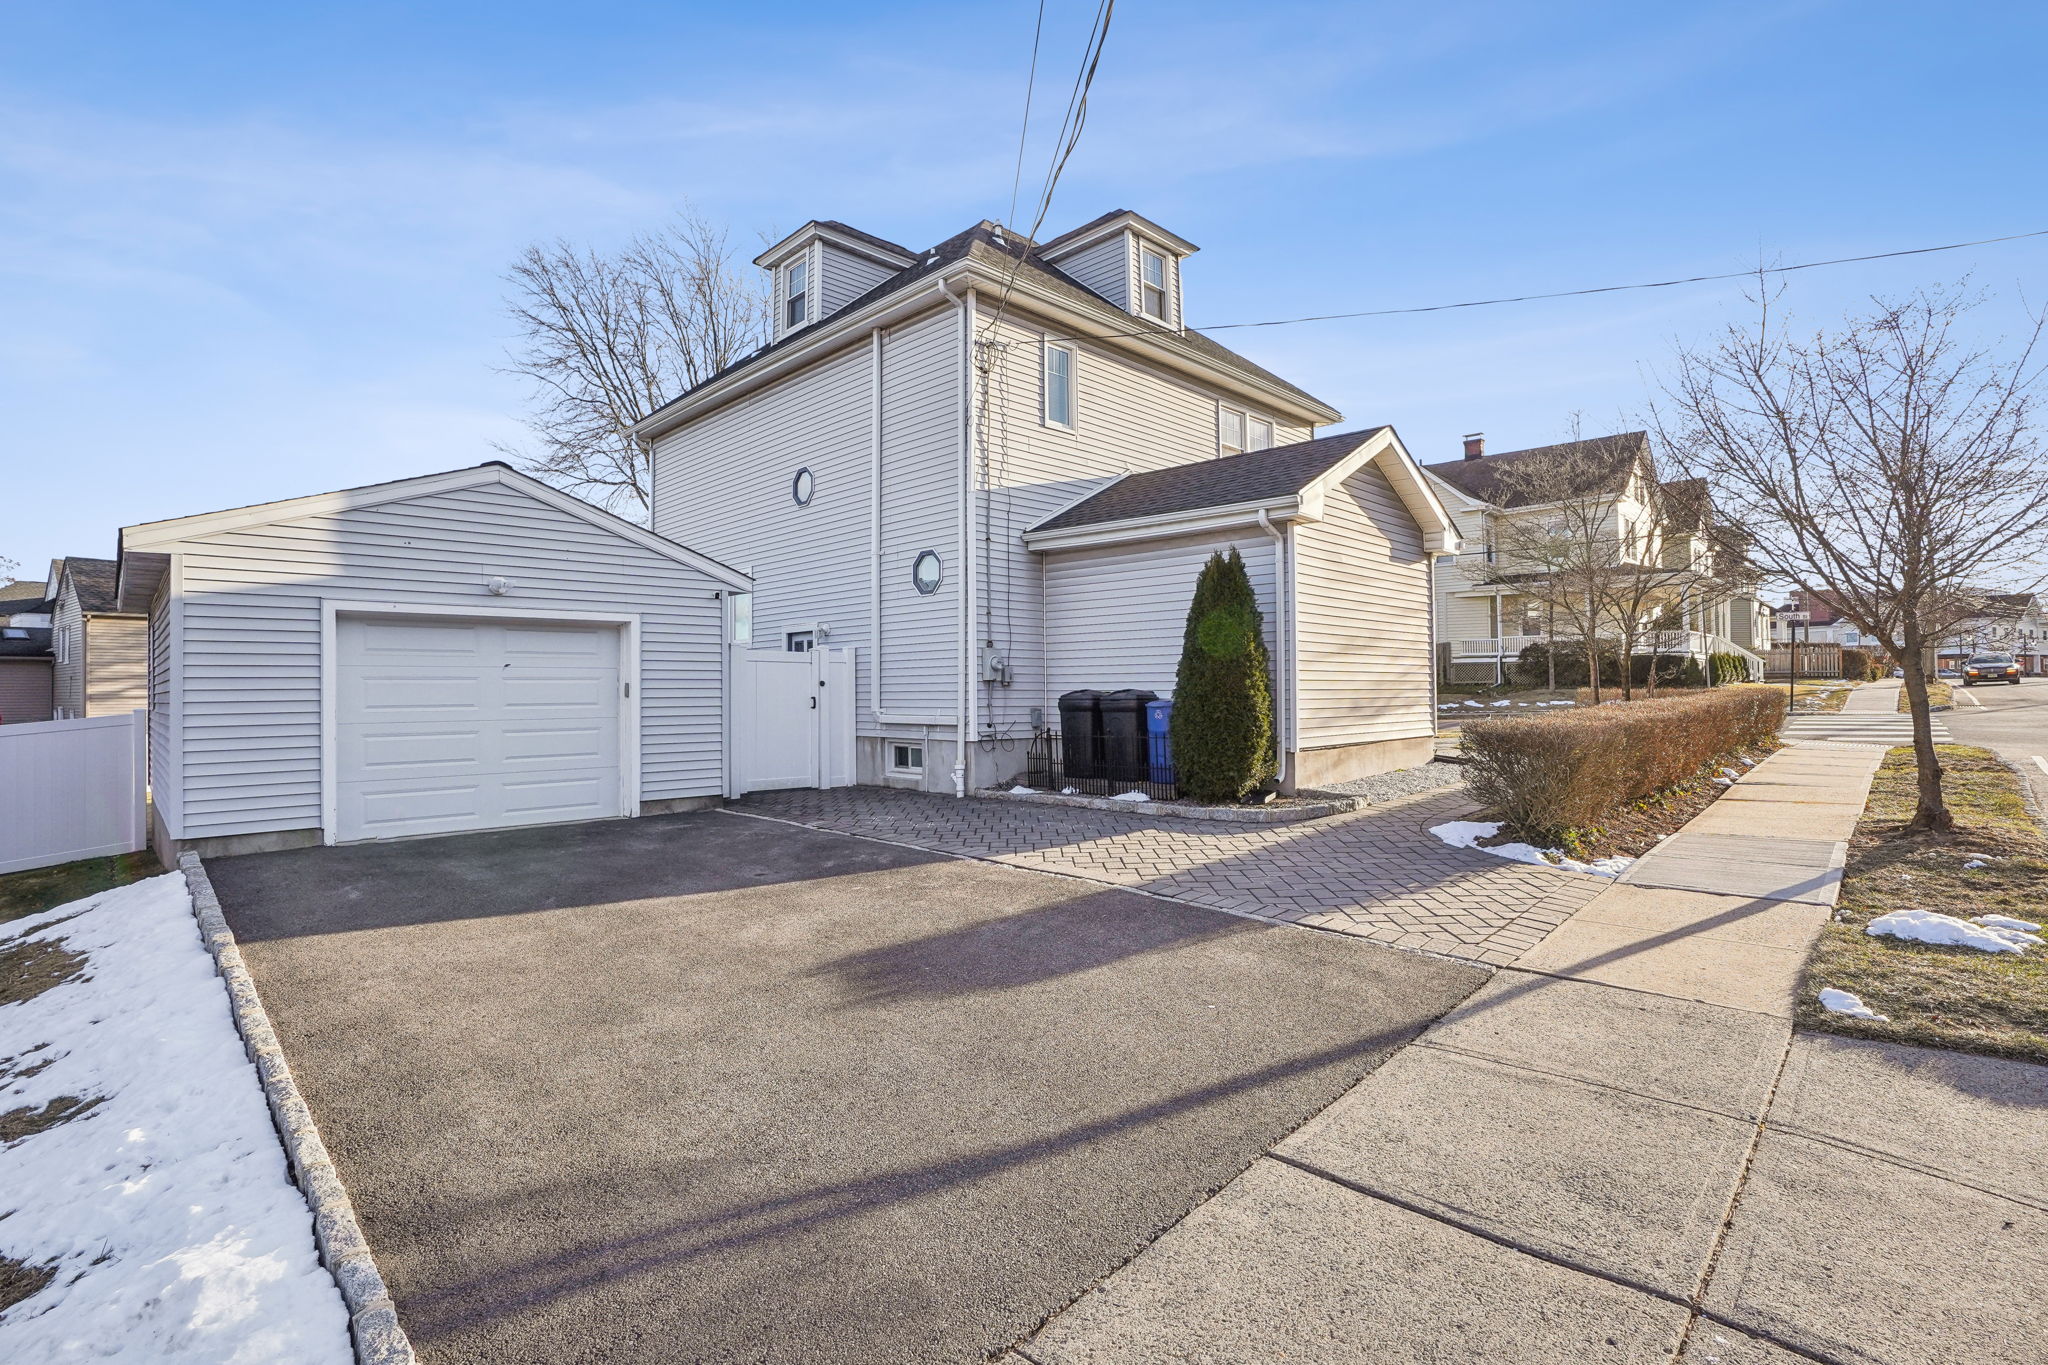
<point>963,716</point>
<point>875,531</point>
<point>1283,594</point>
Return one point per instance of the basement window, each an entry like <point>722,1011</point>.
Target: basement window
<point>906,758</point>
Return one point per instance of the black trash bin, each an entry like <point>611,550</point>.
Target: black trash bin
<point>1080,732</point>
<point>1125,750</point>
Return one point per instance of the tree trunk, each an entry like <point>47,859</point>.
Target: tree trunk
<point>1550,644</point>
<point>1930,812</point>
<point>1593,669</point>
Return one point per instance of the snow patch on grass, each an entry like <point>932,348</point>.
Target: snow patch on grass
<point>1130,796</point>
<point>1468,833</point>
<point>1842,1002</point>
<point>173,1227</point>
<point>1928,926</point>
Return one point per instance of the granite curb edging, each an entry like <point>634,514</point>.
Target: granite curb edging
<point>1236,815</point>
<point>374,1330</point>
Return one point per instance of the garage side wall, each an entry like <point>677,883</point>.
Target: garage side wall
<point>1115,617</point>
<point>249,638</point>
<point>1362,622</point>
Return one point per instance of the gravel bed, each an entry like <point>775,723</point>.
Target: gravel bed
<point>1424,777</point>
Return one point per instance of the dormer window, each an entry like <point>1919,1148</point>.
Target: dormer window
<point>796,292</point>
<point>1152,283</point>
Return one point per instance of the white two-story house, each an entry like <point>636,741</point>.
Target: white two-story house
<point>971,478</point>
<point>1486,612</point>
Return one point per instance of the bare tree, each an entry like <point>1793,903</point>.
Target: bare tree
<point>606,340</point>
<point>1885,466</point>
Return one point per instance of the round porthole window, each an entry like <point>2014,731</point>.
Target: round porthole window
<point>801,487</point>
<point>924,572</point>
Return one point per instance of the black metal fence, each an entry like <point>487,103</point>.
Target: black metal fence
<point>1107,766</point>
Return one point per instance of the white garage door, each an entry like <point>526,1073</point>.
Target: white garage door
<point>447,724</point>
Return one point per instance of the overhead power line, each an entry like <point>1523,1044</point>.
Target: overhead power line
<point>1030,86</point>
<point>1601,289</point>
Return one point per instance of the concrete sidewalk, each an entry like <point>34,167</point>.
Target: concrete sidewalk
<point>1617,1151</point>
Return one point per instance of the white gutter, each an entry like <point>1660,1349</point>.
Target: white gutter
<point>1283,594</point>
<point>1167,524</point>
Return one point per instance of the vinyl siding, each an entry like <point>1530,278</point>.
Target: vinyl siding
<point>1116,616</point>
<point>846,277</point>
<point>1105,268</point>
<point>67,672</point>
<point>164,767</point>
<point>116,665</point>
<point>1128,417</point>
<point>24,690</point>
<point>248,637</point>
<point>722,487</point>
<point>1362,619</point>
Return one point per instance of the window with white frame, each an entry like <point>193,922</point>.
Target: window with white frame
<point>1261,434</point>
<point>799,641</point>
<point>906,758</point>
<point>62,639</point>
<point>740,610</point>
<point>1230,437</point>
<point>796,292</point>
<point>1151,283</point>
<point>1059,386</point>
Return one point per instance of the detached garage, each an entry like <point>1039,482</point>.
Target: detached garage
<point>461,651</point>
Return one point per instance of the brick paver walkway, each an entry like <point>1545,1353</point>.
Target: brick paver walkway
<point>1378,873</point>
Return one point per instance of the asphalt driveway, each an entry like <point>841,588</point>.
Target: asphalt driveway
<point>712,1088</point>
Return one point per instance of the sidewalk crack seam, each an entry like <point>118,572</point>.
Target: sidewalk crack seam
<point>1586,1081</point>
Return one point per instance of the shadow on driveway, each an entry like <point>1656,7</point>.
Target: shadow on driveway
<point>699,1088</point>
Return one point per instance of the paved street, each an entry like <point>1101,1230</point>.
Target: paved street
<point>2010,721</point>
<point>1378,873</point>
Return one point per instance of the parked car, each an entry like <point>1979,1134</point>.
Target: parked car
<point>1990,668</point>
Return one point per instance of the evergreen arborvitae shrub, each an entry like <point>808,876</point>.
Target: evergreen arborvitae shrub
<point>1222,730</point>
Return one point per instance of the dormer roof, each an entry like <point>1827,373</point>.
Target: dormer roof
<point>845,238</point>
<point>1109,224</point>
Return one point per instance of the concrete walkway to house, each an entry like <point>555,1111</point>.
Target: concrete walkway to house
<point>1377,873</point>
<point>1617,1150</point>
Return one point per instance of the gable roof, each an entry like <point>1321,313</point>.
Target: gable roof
<point>1686,504</point>
<point>1053,246</point>
<point>92,580</point>
<point>1001,249</point>
<point>1609,460</point>
<point>156,536</point>
<point>1227,481</point>
<point>1257,487</point>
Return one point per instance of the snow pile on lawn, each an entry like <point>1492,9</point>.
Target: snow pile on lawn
<point>1928,926</point>
<point>1130,796</point>
<point>1842,1002</point>
<point>1468,833</point>
<point>174,1230</point>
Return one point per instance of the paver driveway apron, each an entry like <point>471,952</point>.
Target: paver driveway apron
<point>705,1087</point>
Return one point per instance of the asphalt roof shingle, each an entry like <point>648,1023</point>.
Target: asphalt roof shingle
<point>93,579</point>
<point>1255,476</point>
<point>1492,478</point>
<point>33,642</point>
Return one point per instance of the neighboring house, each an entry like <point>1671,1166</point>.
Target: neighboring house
<point>460,651</point>
<point>24,653</point>
<point>99,654</point>
<point>2014,623</point>
<point>987,473</point>
<point>1814,619</point>
<point>1486,613</point>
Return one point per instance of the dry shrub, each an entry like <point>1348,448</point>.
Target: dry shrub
<point>1548,776</point>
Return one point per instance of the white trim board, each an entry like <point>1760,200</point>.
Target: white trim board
<point>629,674</point>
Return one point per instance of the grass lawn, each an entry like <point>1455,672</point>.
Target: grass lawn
<point>1961,998</point>
<point>44,888</point>
<point>1939,695</point>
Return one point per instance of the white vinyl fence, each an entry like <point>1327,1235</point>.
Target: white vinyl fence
<point>72,789</point>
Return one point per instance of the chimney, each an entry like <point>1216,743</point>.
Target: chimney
<point>1475,446</point>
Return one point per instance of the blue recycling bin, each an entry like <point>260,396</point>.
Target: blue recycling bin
<point>1158,739</point>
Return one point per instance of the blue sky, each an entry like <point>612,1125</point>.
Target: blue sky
<point>250,251</point>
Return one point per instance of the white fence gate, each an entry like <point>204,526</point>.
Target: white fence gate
<point>792,719</point>
<point>72,789</point>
